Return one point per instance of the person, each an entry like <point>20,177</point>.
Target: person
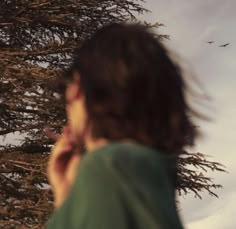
<point>125,102</point>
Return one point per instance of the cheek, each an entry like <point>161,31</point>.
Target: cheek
<point>73,116</point>
<point>76,117</point>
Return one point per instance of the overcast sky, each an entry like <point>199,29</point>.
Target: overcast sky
<point>191,23</point>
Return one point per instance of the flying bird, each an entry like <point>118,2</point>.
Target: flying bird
<point>210,42</point>
<point>224,45</point>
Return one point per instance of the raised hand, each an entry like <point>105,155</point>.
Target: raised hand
<point>62,167</point>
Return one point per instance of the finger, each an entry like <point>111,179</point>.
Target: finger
<point>72,168</point>
<point>57,166</point>
<point>61,163</point>
<point>51,134</point>
<point>66,130</point>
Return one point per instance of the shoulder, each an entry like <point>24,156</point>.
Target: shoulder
<point>126,158</point>
<point>115,151</point>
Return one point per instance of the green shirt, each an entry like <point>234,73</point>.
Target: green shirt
<point>121,186</point>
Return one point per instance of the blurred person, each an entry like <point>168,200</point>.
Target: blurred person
<point>125,102</point>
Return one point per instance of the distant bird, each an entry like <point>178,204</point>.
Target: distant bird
<point>210,42</point>
<point>224,45</point>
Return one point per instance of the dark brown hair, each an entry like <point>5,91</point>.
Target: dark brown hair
<point>133,89</point>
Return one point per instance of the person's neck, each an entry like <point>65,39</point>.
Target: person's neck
<point>92,144</point>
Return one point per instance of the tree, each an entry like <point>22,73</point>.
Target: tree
<point>37,39</point>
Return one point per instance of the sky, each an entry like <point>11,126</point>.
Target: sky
<point>191,23</point>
